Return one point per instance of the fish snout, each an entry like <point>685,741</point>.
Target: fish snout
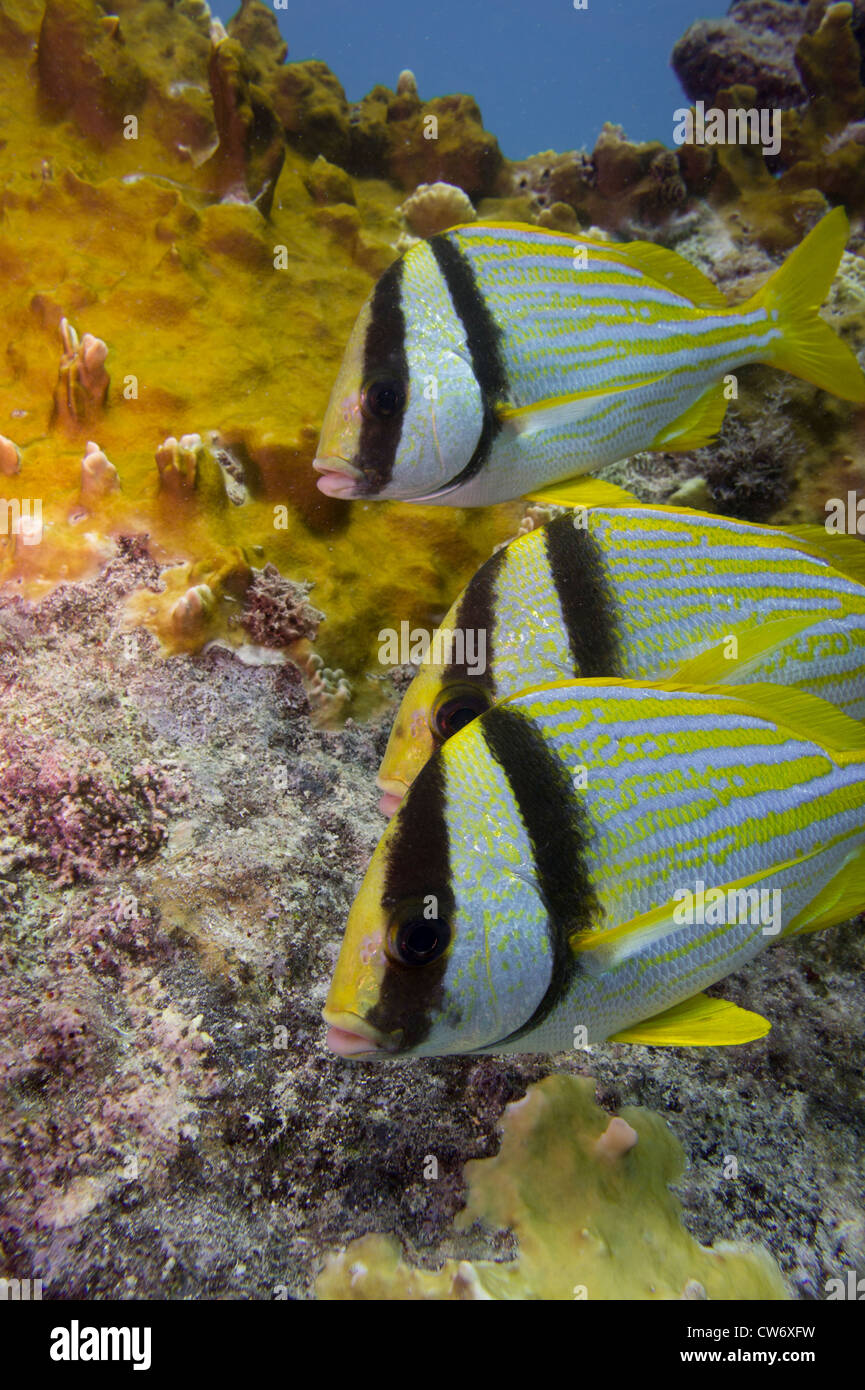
<point>339,478</point>
<point>348,1035</point>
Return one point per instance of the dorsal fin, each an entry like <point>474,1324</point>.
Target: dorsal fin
<point>805,715</point>
<point>671,270</point>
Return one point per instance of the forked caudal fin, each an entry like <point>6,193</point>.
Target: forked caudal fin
<point>808,347</point>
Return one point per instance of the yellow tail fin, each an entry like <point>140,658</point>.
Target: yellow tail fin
<point>808,347</point>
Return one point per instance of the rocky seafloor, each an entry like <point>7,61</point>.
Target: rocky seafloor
<point>182,833</point>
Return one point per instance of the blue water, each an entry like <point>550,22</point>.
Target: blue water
<point>545,76</point>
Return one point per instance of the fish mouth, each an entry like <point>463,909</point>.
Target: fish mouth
<point>394,791</point>
<point>349,1035</point>
<point>339,478</point>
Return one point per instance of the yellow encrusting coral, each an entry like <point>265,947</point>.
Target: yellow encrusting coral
<point>588,1200</point>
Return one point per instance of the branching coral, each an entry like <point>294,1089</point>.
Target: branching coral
<point>588,1200</point>
<point>98,475</point>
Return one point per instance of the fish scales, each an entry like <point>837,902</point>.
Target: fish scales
<point>651,326</point>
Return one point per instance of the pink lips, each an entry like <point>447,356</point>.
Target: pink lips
<point>338,477</point>
<point>389,804</point>
<point>346,1044</point>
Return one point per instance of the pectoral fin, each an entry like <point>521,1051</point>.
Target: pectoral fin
<point>554,411</point>
<point>601,951</point>
<point>698,425</point>
<point>697,1022</point>
<point>841,899</point>
<point>715,667</point>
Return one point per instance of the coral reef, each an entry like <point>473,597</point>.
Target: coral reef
<point>587,1198</point>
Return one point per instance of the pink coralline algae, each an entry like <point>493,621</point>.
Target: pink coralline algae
<point>68,812</point>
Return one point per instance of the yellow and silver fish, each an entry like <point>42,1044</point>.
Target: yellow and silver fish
<point>583,860</point>
<point>620,588</point>
<point>496,359</point>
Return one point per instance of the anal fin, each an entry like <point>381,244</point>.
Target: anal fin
<point>697,1022</point>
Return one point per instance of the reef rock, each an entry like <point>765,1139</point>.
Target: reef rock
<point>395,135</point>
<point>618,186</point>
<point>313,109</point>
<point>256,28</point>
<point>754,44</point>
<point>327,183</point>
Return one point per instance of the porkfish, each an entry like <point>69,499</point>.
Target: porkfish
<point>583,860</point>
<point>495,359</point>
<point>620,588</point>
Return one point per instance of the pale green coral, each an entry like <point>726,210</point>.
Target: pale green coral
<point>588,1199</point>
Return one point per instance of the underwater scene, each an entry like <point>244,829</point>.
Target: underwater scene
<point>432,658</point>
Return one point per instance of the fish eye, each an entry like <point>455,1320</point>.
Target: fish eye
<point>418,940</point>
<point>383,399</point>
<point>456,708</point>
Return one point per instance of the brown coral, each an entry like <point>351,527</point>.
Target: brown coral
<point>85,71</point>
